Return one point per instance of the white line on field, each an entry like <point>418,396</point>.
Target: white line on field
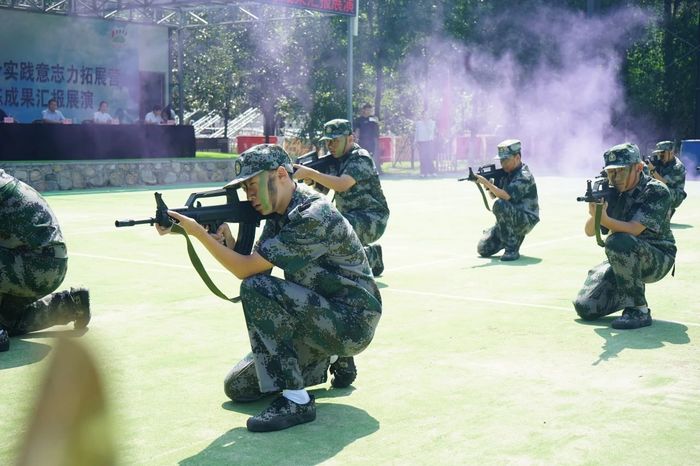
<point>498,301</point>
<point>471,256</point>
<point>136,261</point>
<point>396,290</point>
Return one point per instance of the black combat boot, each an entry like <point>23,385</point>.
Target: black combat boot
<point>632,318</point>
<point>80,298</point>
<point>344,372</point>
<point>281,414</point>
<point>57,308</point>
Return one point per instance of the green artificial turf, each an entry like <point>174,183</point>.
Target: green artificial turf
<point>474,361</point>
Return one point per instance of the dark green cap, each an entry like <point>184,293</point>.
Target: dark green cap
<point>258,159</point>
<point>336,128</point>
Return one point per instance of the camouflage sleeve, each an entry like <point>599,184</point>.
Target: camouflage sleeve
<point>675,180</point>
<point>298,243</point>
<point>267,232</point>
<point>654,204</point>
<point>360,168</point>
<point>518,189</point>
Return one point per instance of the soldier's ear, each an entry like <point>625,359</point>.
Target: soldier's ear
<point>281,172</point>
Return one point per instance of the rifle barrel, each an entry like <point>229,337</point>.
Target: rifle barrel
<point>131,223</point>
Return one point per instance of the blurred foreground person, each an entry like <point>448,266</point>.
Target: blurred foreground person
<point>517,209</point>
<point>670,171</point>
<point>33,263</point>
<point>71,424</point>
<point>640,248</point>
<point>358,191</point>
<point>328,304</point>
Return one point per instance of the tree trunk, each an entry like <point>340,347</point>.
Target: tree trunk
<point>668,55</point>
<point>697,86</point>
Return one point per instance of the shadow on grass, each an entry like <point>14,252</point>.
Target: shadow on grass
<point>657,335</point>
<point>23,353</point>
<point>336,426</point>
<point>680,226</point>
<point>522,262</point>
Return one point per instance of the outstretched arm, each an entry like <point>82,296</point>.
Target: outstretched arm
<point>241,265</point>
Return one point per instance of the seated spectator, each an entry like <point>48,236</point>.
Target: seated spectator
<point>123,117</point>
<point>101,116</point>
<point>168,114</point>
<point>52,114</point>
<point>153,117</point>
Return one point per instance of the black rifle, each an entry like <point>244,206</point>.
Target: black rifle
<point>211,217</point>
<point>598,190</point>
<point>325,164</point>
<point>655,160</point>
<point>491,173</point>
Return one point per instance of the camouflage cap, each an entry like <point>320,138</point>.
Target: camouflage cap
<point>336,128</point>
<point>664,145</point>
<point>622,155</point>
<point>258,159</point>
<point>508,148</point>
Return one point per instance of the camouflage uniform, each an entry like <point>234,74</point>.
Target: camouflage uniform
<point>516,217</point>
<point>364,204</point>
<point>33,260</point>
<point>674,173</point>
<point>632,261</point>
<point>328,304</point>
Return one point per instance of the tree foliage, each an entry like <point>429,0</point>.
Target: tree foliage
<point>298,68</point>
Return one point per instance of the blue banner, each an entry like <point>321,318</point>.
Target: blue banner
<point>77,61</point>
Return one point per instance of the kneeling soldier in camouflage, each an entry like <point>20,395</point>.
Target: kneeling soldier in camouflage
<point>327,305</point>
<point>640,249</point>
<point>358,191</point>
<point>33,263</point>
<point>517,209</point>
<point>671,172</point>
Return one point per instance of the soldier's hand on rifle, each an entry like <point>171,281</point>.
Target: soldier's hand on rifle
<point>591,208</point>
<point>651,167</point>
<point>223,236</point>
<point>487,184</point>
<point>191,227</point>
<point>303,173</point>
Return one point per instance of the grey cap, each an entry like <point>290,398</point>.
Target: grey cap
<point>508,148</point>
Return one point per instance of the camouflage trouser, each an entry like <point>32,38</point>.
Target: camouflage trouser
<point>293,331</point>
<point>511,226</point>
<point>619,282</point>
<point>369,227</point>
<point>24,278</point>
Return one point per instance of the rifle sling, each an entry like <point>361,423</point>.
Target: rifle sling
<point>197,264</point>
<point>483,196</point>
<point>598,214</point>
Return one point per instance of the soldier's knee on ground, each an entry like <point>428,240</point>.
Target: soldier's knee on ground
<point>241,383</point>
<point>487,247</point>
<point>584,310</point>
